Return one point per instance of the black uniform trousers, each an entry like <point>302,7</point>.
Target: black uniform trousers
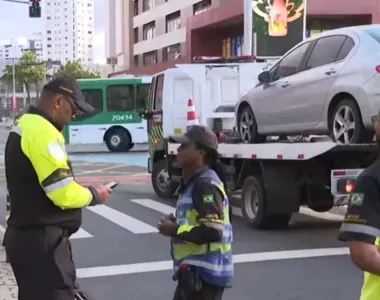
<point>42,263</point>
<point>186,288</point>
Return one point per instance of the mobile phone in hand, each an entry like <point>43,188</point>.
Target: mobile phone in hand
<point>111,185</point>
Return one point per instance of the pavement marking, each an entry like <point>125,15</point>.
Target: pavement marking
<point>99,170</point>
<point>155,205</point>
<point>143,178</point>
<point>238,258</point>
<point>81,234</point>
<point>127,222</point>
<point>167,209</point>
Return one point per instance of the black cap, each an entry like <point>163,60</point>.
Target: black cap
<point>198,134</point>
<point>68,86</point>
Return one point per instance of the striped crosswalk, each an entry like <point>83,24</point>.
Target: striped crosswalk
<point>136,225</point>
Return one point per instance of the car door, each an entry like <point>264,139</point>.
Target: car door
<point>271,101</point>
<point>316,81</point>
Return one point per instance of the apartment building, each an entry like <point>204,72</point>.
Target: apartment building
<point>69,30</point>
<point>14,48</point>
<point>143,33</point>
<point>166,32</point>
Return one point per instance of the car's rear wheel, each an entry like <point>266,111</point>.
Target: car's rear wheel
<point>346,125</point>
<point>248,126</point>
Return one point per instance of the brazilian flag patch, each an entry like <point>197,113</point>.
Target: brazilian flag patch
<point>209,198</point>
<point>356,199</point>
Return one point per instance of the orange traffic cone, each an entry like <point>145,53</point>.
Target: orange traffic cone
<point>191,114</point>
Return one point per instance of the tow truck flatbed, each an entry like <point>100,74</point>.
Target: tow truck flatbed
<point>275,179</point>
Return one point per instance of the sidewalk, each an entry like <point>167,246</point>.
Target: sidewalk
<point>8,286</point>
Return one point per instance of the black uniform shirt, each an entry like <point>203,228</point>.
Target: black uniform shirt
<point>208,202</point>
<point>362,221</point>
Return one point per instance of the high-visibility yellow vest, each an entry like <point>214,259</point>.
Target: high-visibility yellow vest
<point>53,197</point>
<point>371,285</point>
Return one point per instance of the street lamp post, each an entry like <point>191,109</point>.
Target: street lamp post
<point>14,90</point>
<point>14,100</point>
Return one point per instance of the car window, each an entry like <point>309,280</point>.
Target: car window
<point>373,32</point>
<point>325,51</point>
<point>290,64</point>
<point>346,48</point>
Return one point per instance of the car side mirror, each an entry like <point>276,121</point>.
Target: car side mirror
<point>264,77</point>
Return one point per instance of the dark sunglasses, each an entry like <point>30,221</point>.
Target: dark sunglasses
<point>72,104</point>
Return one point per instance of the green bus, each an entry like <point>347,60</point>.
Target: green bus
<point>117,122</point>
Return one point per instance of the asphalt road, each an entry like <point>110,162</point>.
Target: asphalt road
<point>119,254</point>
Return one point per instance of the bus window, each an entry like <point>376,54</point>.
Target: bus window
<point>94,98</point>
<point>159,93</point>
<point>142,92</point>
<point>120,98</point>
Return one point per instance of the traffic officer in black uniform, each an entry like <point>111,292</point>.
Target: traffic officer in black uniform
<point>201,231</point>
<point>361,226</point>
<point>46,201</point>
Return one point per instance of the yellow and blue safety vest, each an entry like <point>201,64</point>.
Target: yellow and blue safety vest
<point>214,261</point>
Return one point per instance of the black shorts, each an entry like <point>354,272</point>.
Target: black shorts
<point>41,260</point>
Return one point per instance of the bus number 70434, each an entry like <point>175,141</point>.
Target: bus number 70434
<point>123,117</point>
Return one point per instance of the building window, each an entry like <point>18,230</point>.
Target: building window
<point>149,31</point>
<point>135,35</point>
<point>136,60</point>
<point>150,58</point>
<point>120,98</point>
<point>94,98</point>
<point>173,21</point>
<point>201,7</point>
<point>172,52</point>
<point>136,7</point>
<point>148,4</point>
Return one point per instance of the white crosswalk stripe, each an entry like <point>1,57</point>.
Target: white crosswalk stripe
<point>138,227</point>
<point>127,222</point>
<point>155,205</point>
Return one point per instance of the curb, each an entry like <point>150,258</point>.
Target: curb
<point>8,284</point>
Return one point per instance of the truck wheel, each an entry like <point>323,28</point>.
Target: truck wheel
<point>118,140</point>
<point>161,182</point>
<point>254,206</point>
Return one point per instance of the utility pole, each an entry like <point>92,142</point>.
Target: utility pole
<point>248,27</point>
<point>14,99</point>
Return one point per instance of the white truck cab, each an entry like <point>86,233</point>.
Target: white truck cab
<point>215,85</point>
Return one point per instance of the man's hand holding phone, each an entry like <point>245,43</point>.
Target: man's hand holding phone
<point>101,193</point>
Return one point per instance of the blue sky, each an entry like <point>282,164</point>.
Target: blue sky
<point>15,23</point>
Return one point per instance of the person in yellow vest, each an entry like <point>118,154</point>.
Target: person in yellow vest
<point>201,231</point>
<point>361,226</point>
<point>45,199</point>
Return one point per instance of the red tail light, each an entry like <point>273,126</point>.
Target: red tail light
<point>349,187</point>
<point>377,68</point>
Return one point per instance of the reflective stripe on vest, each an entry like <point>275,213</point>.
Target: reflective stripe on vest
<point>214,260</point>
<point>371,285</point>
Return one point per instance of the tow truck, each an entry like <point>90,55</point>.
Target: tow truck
<point>274,179</point>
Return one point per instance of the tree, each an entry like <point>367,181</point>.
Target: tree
<point>27,71</point>
<point>74,68</point>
